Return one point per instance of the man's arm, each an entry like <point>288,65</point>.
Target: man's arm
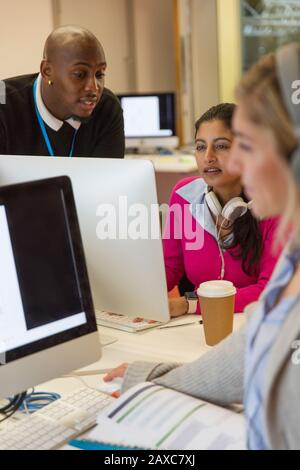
<point>3,144</point>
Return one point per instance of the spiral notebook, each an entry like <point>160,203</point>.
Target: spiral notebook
<point>169,420</point>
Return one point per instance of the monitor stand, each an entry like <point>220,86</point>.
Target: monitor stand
<point>147,144</point>
<point>105,340</point>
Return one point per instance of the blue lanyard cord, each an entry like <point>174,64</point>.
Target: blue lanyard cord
<point>43,128</point>
<point>73,143</point>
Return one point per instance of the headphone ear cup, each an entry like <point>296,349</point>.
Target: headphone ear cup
<point>234,209</point>
<point>213,203</point>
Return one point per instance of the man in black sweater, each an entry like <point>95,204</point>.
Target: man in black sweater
<point>65,109</point>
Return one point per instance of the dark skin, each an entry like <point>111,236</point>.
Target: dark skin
<point>73,71</point>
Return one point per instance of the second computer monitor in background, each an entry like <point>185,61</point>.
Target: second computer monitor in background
<point>149,120</point>
<point>119,220</point>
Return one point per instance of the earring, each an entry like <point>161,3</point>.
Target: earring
<point>50,83</point>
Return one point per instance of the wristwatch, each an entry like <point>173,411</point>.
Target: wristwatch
<point>192,299</point>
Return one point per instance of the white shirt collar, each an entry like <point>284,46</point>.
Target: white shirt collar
<point>47,117</point>
<point>194,193</point>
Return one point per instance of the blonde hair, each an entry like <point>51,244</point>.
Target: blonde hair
<point>260,92</point>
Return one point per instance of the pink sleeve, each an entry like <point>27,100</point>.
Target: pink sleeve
<point>172,245</point>
<point>174,234</point>
<point>251,293</point>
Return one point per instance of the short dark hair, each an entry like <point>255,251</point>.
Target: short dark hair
<point>221,112</point>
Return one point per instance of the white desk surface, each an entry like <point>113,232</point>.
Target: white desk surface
<point>177,163</point>
<point>177,344</point>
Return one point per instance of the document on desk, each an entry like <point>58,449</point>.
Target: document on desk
<point>170,421</point>
<point>183,320</point>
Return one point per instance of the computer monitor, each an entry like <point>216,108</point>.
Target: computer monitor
<point>126,270</point>
<point>149,120</point>
<point>47,319</point>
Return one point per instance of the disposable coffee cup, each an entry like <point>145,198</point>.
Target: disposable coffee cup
<point>217,307</point>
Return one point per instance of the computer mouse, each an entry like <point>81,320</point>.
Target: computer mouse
<point>109,387</point>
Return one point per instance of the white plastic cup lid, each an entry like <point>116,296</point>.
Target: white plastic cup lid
<point>216,289</point>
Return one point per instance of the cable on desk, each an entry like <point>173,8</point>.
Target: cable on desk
<point>35,401</point>
<point>27,403</point>
<point>13,405</point>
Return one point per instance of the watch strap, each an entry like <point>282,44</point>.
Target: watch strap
<point>192,301</point>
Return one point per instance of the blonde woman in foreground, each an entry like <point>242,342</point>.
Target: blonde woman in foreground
<point>267,156</point>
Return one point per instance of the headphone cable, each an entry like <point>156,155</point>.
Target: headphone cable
<point>218,233</point>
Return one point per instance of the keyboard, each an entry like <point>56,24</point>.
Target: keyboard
<point>57,423</point>
<point>122,322</point>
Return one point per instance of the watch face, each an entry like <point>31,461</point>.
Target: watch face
<point>191,295</point>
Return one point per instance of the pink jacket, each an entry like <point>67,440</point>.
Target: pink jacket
<point>190,246</point>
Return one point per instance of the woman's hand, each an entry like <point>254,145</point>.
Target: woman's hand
<point>178,306</point>
<point>116,372</point>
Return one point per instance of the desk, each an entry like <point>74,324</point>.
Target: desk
<point>177,163</point>
<point>178,344</point>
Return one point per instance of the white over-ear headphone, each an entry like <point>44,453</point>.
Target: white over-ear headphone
<point>233,209</point>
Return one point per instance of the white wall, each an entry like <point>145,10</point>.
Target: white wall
<point>205,55</point>
<point>108,20</point>
<point>137,36</point>
<point>25,25</point>
<point>198,63</point>
<point>154,45</point>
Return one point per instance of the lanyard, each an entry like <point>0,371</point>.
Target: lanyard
<point>43,128</point>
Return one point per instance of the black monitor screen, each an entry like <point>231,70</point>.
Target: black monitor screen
<point>44,291</point>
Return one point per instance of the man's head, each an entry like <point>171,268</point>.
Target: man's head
<point>72,73</point>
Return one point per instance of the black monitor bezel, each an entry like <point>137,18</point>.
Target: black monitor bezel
<point>61,183</point>
<point>137,95</point>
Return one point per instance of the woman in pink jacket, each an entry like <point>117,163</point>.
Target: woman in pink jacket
<point>211,235</point>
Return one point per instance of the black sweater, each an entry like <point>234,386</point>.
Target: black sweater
<point>20,133</point>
